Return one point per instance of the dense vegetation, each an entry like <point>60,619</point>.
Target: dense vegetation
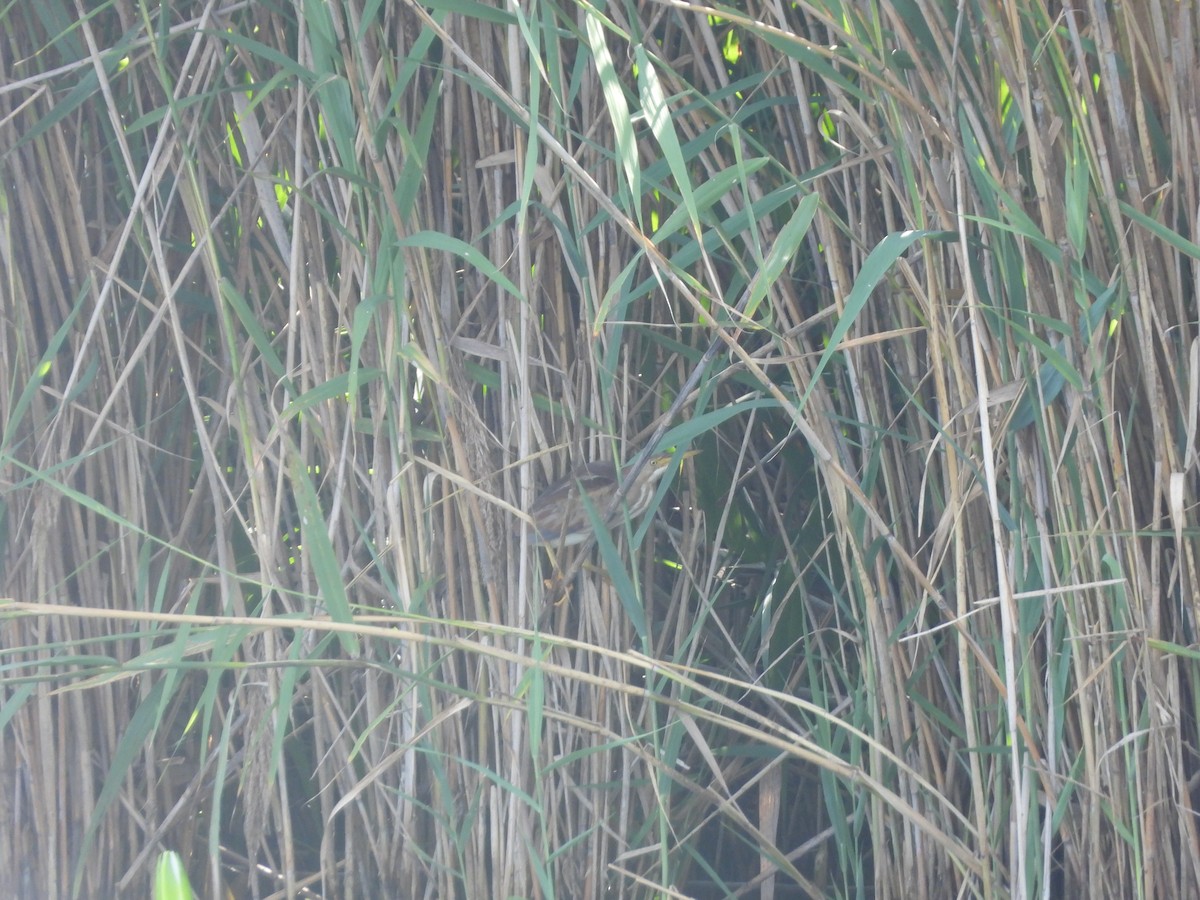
<point>304,303</point>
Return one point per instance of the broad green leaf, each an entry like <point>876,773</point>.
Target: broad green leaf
<point>782,251</point>
<point>658,115</point>
<point>874,268</point>
<point>618,108</point>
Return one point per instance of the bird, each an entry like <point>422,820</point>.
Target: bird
<point>560,518</point>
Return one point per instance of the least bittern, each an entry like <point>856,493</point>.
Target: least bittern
<point>560,518</point>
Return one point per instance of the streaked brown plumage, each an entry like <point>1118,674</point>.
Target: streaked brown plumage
<point>560,517</point>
